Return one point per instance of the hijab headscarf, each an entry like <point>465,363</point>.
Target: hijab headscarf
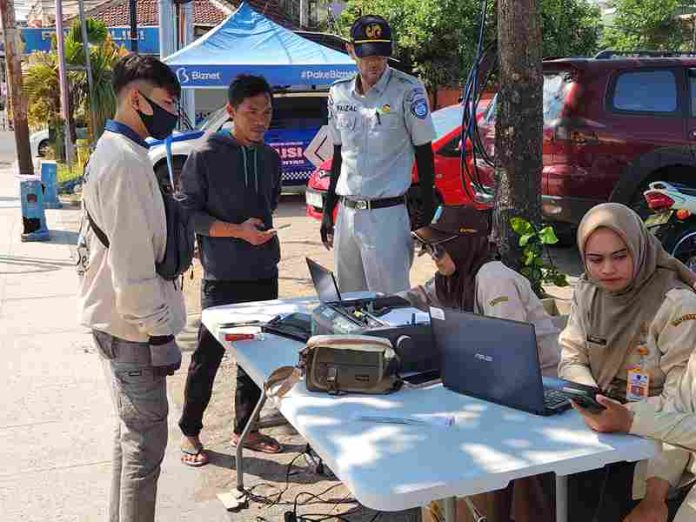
<point>469,253</point>
<point>616,318</point>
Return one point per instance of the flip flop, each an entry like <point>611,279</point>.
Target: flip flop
<point>188,449</point>
<point>262,444</point>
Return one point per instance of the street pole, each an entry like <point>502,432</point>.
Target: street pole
<point>166,28</point>
<point>63,80</point>
<point>88,65</point>
<point>14,87</point>
<point>133,12</point>
<point>303,7</point>
<point>519,123</point>
<point>188,100</point>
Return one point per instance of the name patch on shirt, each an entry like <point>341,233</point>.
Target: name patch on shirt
<point>346,107</point>
<point>596,340</point>
<point>684,318</point>
<point>498,300</point>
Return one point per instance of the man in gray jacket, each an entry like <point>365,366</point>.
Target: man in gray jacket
<point>132,312</point>
<point>231,186</point>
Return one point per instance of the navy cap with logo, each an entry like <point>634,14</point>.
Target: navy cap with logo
<point>450,222</point>
<point>371,36</point>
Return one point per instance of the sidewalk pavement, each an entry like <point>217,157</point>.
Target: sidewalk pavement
<point>56,417</point>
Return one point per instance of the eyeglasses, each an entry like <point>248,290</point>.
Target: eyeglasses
<point>435,251</point>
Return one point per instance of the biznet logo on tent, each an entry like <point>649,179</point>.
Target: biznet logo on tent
<point>185,76</point>
<point>325,75</point>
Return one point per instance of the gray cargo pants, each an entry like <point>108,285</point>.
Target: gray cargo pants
<point>140,402</point>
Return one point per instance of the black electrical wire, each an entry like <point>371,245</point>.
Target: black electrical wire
<point>474,85</point>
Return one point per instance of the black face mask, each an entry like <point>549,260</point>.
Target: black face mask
<point>160,123</point>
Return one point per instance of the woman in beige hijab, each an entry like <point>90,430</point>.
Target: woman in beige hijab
<point>631,330</point>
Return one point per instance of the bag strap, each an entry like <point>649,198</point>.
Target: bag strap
<point>98,231</point>
<point>282,380</point>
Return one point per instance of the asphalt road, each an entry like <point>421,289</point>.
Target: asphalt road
<point>302,238</point>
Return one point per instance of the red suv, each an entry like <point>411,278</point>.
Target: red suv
<point>612,125</point>
<point>449,183</point>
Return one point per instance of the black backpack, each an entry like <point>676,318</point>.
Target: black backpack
<point>178,254</point>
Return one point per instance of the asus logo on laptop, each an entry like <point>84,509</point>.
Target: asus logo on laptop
<point>484,358</point>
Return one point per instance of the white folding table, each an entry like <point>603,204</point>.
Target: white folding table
<point>390,467</point>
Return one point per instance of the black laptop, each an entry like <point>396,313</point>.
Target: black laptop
<point>324,283</point>
<point>493,359</point>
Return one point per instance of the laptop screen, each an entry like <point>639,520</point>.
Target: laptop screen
<point>324,282</point>
<point>489,358</point>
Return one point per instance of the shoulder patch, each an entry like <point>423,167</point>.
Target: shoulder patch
<point>684,318</point>
<point>499,300</point>
<point>419,107</point>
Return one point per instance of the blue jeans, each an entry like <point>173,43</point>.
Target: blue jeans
<point>140,401</point>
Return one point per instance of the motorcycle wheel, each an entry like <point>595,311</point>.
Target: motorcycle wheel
<point>685,249</point>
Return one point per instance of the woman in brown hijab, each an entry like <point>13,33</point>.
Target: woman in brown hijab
<point>469,278</point>
<point>631,330</point>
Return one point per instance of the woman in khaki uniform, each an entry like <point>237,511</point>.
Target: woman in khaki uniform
<point>469,278</point>
<point>672,421</point>
<point>628,334</point>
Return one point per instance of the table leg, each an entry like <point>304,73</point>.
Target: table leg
<point>561,498</point>
<point>239,459</point>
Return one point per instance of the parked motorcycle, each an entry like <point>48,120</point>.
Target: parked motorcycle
<point>673,220</point>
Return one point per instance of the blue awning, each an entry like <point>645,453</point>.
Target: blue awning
<point>248,43</point>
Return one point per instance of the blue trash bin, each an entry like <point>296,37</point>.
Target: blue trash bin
<point>49,178</point>
<point>33,215</point>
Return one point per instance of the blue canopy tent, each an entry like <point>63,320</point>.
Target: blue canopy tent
<point>248,43</point>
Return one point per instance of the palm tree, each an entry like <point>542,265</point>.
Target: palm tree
<point>42,86</point>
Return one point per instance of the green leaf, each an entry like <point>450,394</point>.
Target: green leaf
<point>526,272</point>
<point>529,258</point>
<point>560,280</point>
<point>525,239</point>
<point>547,236</point>
<point>521,226</point>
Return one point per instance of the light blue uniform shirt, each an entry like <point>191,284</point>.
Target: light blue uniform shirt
<point>378,132</point>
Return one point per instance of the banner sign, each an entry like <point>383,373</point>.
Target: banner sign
<point>39,39</point>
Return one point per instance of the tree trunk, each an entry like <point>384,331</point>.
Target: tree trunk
<point>519,123</point>
<point>15,87</point>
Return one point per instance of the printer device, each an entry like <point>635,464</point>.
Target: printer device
<point>389,317</point>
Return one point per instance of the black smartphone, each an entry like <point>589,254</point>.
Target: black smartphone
<point>419,380</point>
<point>585,398</point>
<point>581,394</point>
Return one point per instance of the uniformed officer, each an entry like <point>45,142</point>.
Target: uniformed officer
<point>378,121</point>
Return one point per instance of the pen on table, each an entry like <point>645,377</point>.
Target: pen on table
<point>446,421</point>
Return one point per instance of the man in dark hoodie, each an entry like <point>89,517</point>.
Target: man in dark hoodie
<point>231,185</point>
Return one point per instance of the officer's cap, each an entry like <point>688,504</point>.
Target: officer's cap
<point>371,36</point>
<point>453,221</point>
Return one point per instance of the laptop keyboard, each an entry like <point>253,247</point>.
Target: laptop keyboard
<point>553,399</point>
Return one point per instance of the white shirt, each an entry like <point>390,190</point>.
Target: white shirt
<point>377,132</point>
<point>120,291</point>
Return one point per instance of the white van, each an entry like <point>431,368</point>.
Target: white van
<point>298,132</point>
